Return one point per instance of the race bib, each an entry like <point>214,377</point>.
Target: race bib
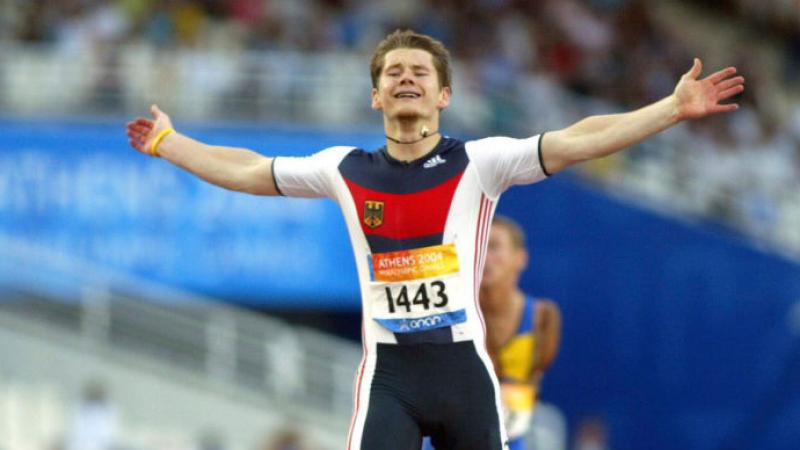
<point>416,290</point>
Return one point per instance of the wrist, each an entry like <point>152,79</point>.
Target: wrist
<point>673,109</point>
<point>154,147</point>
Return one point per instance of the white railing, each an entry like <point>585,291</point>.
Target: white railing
<point>229,347</point>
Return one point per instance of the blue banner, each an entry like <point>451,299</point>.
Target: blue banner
<point>78,188</point>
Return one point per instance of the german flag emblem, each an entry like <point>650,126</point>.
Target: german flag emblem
<point>373,213</point>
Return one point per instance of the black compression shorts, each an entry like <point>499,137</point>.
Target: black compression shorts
<point>438,390</point>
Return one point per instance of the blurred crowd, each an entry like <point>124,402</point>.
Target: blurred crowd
<point>609,48</point>
<point>535,65</point>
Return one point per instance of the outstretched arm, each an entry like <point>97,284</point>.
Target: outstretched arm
<point>232,168</point>
<point>599,136</point>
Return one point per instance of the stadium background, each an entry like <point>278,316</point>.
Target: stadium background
<point>675,264</point>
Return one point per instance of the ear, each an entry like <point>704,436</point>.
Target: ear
<point>376,100</point>
<point>444,98</point>
<point>522,259</point>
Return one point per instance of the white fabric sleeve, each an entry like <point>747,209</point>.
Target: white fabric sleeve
<point>503,162</point>
<point>308,176</point>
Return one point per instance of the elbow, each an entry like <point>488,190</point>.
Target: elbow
<point>576,150</point>
<point>562,149</point>
<point>257,179</point>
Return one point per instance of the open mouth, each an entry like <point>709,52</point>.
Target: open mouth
<point>407,95</point>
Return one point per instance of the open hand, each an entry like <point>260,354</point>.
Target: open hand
<point>699,98</point>
<point>142,131</point>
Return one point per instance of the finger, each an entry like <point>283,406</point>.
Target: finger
<point>694,72</point>
<point>728,107</point>
<point>136,145</point>
<point>720,75</point>
<point>143,121</point>
<point>142,125</point>
<point>140,128</point>
<point>138,136</point>
<point>136,125</point>
<point>727,84</point>
<point>727,93</point>
<point>135,136</point>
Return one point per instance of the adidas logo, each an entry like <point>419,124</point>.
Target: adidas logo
<point>433,162</point>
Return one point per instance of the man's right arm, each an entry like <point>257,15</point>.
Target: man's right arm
<point>237,169</point>
<point>231,168</point>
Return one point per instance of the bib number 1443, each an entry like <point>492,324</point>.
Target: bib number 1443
<point>426,295</point>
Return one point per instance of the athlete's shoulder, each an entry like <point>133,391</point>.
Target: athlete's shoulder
<point>449,143</point>
<point>328,159</point>
<point>362,163</point>
<point>308,176</point>
<point>336,152</point>
<point>361,155</point>
<point>502,162</point>
<point>500,142</point>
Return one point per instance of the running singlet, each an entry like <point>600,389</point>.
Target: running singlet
<point>516,371</point>
<point>419,232</point>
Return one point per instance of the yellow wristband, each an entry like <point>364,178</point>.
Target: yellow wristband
<point>161,135</point>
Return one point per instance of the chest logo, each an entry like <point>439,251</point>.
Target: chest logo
<point>433,162</point>
<point>373,213</point>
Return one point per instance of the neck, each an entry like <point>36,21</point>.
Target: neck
<point>498,299</point>
<point>410,140</point>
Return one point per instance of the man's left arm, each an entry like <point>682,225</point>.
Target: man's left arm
<point>599,136</point>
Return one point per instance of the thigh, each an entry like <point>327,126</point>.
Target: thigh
<point>389,426</point>
<point>471,413</point>
<point>475,435</point>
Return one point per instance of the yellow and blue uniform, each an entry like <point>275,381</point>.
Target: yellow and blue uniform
<point>518,389</point>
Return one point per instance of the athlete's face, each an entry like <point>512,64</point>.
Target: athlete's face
<point>408,86</point>
<point>504,261</point>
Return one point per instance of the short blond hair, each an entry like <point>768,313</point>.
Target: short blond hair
<point>410,39</point>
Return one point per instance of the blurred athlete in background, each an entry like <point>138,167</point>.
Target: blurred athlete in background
<point>418,212</point>
<point>522,332</point>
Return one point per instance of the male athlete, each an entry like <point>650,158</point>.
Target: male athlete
<point>522,333</point>
<point>418,212</point>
